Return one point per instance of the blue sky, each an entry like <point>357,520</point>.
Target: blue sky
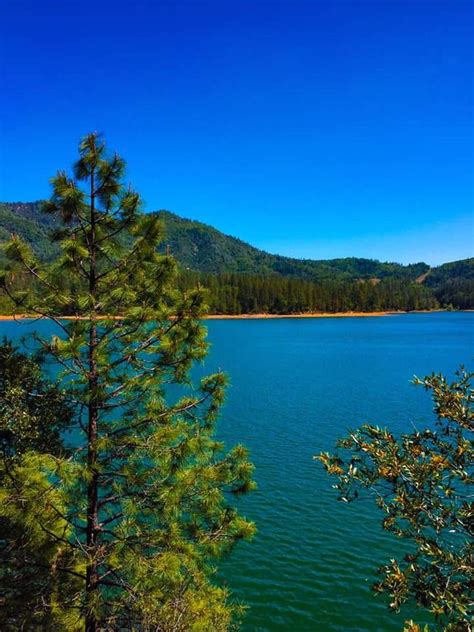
<point>309,128</point>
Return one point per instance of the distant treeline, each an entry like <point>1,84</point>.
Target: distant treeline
<point>456,293</point>
<point>251,294</point>
<point>274,294</point>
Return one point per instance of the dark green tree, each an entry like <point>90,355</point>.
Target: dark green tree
<point>422,482</point>
<point>34,413</point>
<point>143,501</point>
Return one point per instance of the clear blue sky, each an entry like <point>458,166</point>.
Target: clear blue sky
<point>315,128</point>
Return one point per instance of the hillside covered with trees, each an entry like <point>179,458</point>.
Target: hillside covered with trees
<point>453,283</point>
<point>200,247</point>
<point>243,279</point>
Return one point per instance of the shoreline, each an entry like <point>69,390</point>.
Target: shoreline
<point>303,315</point>
<point>6,317</point>
<point>323,314</point>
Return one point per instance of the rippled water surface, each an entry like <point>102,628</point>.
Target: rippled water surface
<point>296,386</point>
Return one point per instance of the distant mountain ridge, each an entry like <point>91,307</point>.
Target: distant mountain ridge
<point>205,249</point>
<point>202,248</point>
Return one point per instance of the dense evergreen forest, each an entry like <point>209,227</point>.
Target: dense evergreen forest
<point>242,279</point>
<point>453,283</point>
<point>252,294</point>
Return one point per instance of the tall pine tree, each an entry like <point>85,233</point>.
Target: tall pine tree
<point>141,506</point>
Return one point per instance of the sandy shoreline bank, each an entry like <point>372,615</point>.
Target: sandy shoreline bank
<point>305,315</point>
<point>261,316</point>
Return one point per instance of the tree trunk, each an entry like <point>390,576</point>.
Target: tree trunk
<point>92,575</point>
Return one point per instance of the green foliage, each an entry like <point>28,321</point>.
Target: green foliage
<point>33,414</point>
<point>202,248</point>
<point>27,221</point>
<point>144,498</point>
<point>33,411</point>
<point>199,248</point>
<point>423,484</point>
<point>453,283</point>
<point>39,573</point>
<point>456,293</point>
<point>249,294</point>
<point>462,269</point>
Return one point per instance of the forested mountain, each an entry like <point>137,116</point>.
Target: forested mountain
<point>242,278</point>
<point>26,220</point>
<point>200,247</point>
<point>462,270</point>
<point>453,283</point>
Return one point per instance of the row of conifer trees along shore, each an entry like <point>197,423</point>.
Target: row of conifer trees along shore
<point>251,294</point>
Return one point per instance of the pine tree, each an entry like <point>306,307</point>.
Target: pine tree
<point>143,500</point>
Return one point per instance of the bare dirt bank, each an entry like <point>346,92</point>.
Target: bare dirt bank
<point>304,315</point>
<point>259,316</point>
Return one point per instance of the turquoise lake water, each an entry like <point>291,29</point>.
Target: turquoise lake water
<point>296,386</point>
